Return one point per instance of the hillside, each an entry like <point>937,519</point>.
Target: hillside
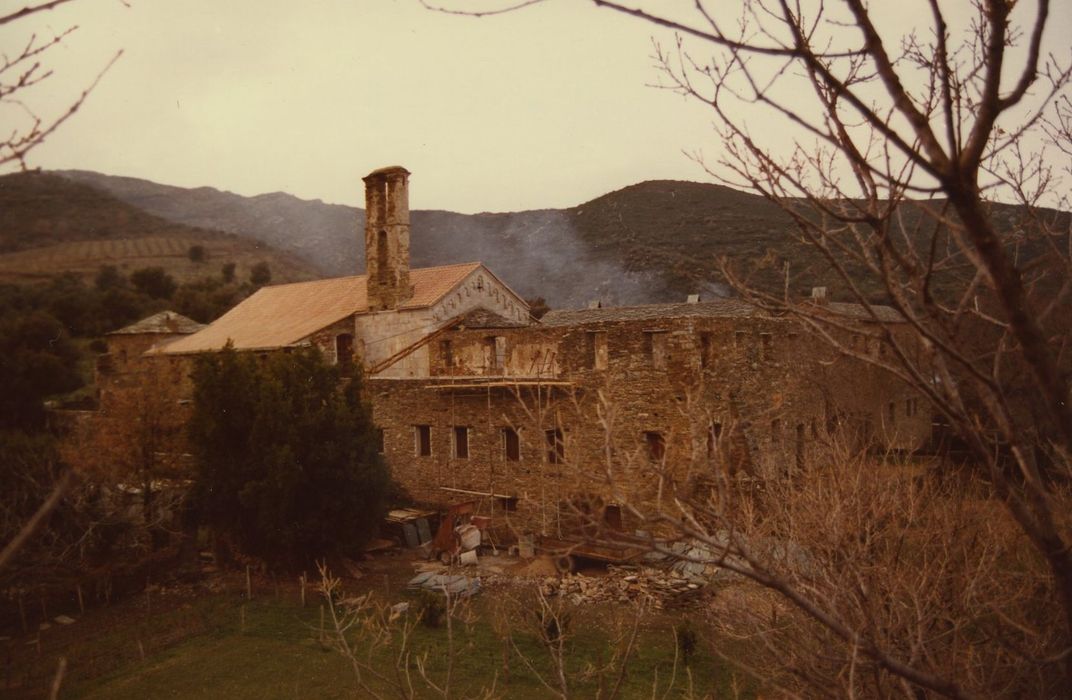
<point>569,256</point>
<point>50,225</point>
<point>650,242</point>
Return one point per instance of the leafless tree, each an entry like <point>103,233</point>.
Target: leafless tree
<point>21,72</point>
<point>137,442</point>
<point>531,611</point>
<point>904,145</point>
<point>377,639</point>
<point>24,70</point>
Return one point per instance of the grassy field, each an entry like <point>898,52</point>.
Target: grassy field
<point>217,645</point>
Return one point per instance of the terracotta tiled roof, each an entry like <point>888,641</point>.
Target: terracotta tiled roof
<point>281,315</point>
<point>167,322</point>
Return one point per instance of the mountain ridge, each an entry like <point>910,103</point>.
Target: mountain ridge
<point>649,242</point>
<point>555,253</point>
<point>50,225</point>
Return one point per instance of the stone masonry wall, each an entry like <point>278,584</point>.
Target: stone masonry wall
<point>627,395</point>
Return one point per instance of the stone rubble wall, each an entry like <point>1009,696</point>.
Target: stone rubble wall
<point>774,391</point>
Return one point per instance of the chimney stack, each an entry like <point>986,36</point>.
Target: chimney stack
<point>387,238</point>
<point>818,295</point>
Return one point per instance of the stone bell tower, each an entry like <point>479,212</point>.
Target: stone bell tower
<point>387,238</point>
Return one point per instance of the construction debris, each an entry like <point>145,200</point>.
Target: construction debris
<point>657,588</point>
<point>409,526</point>
<point>455,585</point>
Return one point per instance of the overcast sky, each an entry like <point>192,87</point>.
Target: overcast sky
<point>547,107</point>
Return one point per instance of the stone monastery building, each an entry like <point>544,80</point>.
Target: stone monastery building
<point>478,401</point>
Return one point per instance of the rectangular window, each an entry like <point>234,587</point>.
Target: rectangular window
<point>714,437</point>
<point>511,445</point>
<point>461,442</point>
<point>707,349</point>
<point>891,412</point>
<point>656,444</point>
<point>655,348</point>
<point>500,352</point>
<point>556,446</point>
<point>494,352</point>
<point>422,440</point>
<point>799,446</point>
<point>597,349</point>
<point>766,345</point>
<point>446,353</point>
<point>344,348</point>
<point>381,440</point>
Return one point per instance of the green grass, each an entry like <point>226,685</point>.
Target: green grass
<point>279,655</point>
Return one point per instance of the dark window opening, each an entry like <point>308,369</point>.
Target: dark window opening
<point>706,350</point>
<point>508,503</point>
<point>511,445</point>
<point>714,438</point>
<point>656,443</point>
<point>461,442</point>
<point>381,256</point>
<point>655,348</point>
<point>344,348</point>
<point>800,446</point>
<point>446,353</point>
<point>422,436</point>
<point>556,446</point>
<point>766,345</point>
<point>381,440</point>
<point>596,350</point>
<point>495,352</point>
<point>612,517</point>
<point>891,411</point>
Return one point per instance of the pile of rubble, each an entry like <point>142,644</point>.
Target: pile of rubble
<point>656,588</point>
